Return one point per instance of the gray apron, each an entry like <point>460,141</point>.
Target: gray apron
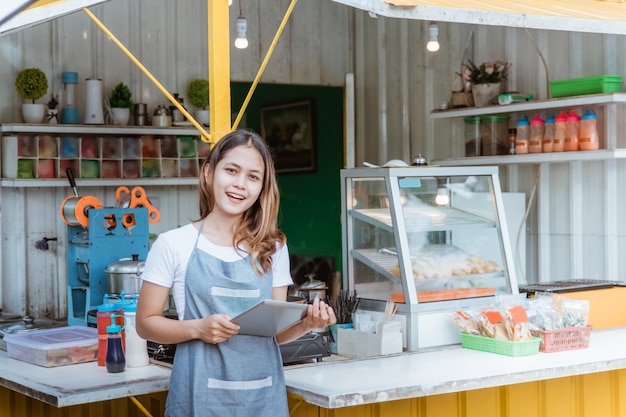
<point>241,377</point>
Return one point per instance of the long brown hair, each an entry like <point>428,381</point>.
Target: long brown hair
<point>257,229</point>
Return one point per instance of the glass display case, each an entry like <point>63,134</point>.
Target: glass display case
<point>432,239</point>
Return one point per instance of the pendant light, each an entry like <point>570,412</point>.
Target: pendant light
<point>241,25</point>
<point>433,37</point>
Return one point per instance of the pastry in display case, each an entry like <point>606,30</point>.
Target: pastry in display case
<point>432,239</point>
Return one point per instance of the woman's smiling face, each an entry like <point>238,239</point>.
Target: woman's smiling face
<point>238,180</point>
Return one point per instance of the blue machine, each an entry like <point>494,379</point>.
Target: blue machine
<point>111,234</point>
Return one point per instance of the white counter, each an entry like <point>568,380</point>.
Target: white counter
<point>81,383</point>
<point>453,369</point>
<point>335,384</point>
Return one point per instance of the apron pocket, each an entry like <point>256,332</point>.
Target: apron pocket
<point>241,392</point>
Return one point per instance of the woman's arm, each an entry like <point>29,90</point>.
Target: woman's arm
<point>153,326</point>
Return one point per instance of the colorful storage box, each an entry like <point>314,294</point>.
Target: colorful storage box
<point>502,347</point>
<point>54,347</point>
<point>563,339</point>
<point>587,85</point>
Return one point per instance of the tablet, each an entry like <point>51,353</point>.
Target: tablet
<point>269,317</point>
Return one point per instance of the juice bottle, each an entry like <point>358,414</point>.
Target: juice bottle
<point>588,140</point>
<point>548,136</point>
<point>560,124</point>
<point>523,135</point>
<point>537,129</point>
<point>572,131</point>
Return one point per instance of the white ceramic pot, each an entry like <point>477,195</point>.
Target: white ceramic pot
<point>203,117</point>
<point>33,113</point>
<point>120,115</point>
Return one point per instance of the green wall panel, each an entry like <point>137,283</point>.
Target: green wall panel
<point>310,210</point>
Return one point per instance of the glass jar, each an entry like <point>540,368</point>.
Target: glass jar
<point>472,136</point>
<point>495,135</point>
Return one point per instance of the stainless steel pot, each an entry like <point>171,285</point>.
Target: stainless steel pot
<point>312,288</point>
<point>125,275</point>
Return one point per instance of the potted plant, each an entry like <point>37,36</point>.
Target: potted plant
<point>485,80</point>
<point>52,114</point>
<point>198,93</point>
<point>120,102</point>
<point>32,84</point>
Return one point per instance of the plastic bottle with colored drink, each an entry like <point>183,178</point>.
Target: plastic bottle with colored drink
<point>588,140</point>
<point>523,135</point>
<point>572,131</point>
<point>548,136</point>
<point>537,129</point>
<point>560,125</point>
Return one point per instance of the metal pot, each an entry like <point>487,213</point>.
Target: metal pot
<point>312,288</point>
<point>125,275</point>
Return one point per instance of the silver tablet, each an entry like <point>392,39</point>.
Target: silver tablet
<point>269,317</point>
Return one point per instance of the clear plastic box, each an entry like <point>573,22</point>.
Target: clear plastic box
<point>54,347</point>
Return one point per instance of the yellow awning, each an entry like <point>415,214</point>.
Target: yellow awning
<point>569,15</point>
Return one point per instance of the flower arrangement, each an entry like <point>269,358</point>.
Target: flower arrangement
<point>53,103</point>
<point>485,73</point>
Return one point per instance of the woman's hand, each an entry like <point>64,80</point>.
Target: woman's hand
<point>319,315</point>
<point>216,328</point>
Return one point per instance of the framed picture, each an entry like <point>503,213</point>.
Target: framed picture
<point>289,131</point>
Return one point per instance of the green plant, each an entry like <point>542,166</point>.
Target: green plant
<point>198,93</point>
<point>53,103</point>
<point>31,84</point>
<point>487,72</point>
<point>121,96</point>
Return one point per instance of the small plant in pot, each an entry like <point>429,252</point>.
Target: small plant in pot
<point>120,102</point>
<point>32,84</point>
<point>198,94</point>
<point>52,115</point>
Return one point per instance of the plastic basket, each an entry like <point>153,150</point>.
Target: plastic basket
<point>502,347</point>
<point>563,339</point>
<point>586,85</point>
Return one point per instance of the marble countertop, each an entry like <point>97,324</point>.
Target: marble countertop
<point>451,369</point>
<point>83,383</point>
<point>336,382</point>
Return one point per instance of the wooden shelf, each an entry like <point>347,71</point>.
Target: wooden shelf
<point>61,129</point>
<point>567,102</point>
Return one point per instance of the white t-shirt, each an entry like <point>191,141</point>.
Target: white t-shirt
<point>166,264</point>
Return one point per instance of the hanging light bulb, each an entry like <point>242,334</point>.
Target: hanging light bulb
<point>433,38</point>
<point>442,198</point>
<point>241,25</point>
<point>230,2</point>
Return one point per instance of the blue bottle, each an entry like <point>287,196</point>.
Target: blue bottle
<point>115,359</point>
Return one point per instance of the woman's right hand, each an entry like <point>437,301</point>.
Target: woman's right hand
<point>216,328</point>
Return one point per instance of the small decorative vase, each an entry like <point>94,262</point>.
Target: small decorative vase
<point>484,94</point>
<point>120,115</point>
<point>52,116</point>
<point>33,113</point>
<point>203,117</point>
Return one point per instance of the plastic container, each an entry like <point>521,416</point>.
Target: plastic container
<point>572,131</point>
<point>473,146</point>
<point>537,130</point>
<point>548,135</point>
<point>512,136</point>
<point>560,127</point>
<point>502,347</point>
<point>54,347</point>
<point>586,85</point>
<point>559,340</point>
<point>495,135</point>
<point>523,135</point>
<point>588,140</point>
<point>115,360</point>
<point>136,346</point>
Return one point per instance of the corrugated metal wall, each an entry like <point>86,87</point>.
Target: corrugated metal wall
<point>575,228</point>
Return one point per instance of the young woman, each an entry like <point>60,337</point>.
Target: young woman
<point>218,266</point>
